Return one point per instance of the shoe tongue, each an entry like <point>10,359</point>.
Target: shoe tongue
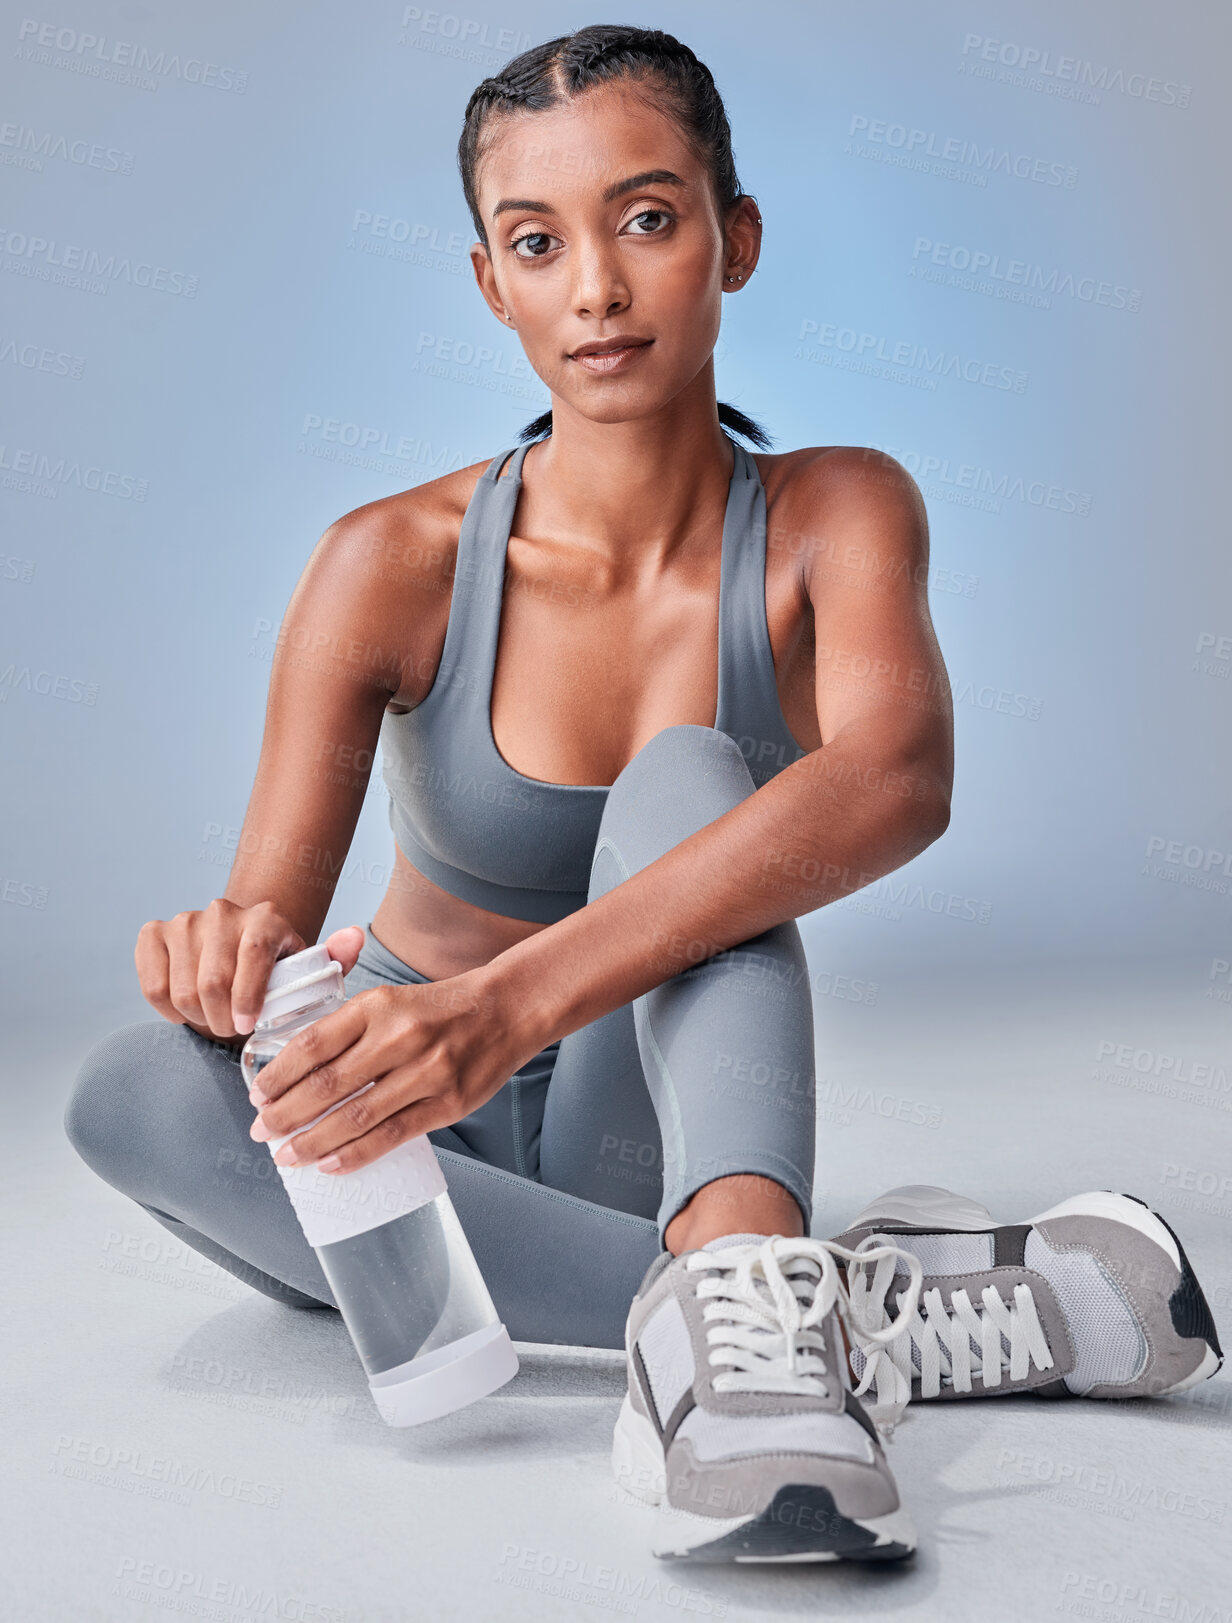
<point>725,1240</point>
<point>773,1337</point>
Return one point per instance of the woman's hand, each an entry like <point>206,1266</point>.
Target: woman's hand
<point>208,970</point>
<point>434,1053</point>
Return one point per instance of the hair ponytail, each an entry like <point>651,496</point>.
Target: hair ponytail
<point>730,417</point>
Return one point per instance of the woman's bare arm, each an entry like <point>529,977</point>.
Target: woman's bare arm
<point>872,797</point>
<point>341,653</point>
<point>336,665</point>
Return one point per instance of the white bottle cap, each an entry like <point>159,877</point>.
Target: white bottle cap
<point>297,964</point>
<point>295,981</point>
<point>447,1379</point>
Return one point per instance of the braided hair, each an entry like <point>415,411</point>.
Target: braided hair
<point>562,68</point>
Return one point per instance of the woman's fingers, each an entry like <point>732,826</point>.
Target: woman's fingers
<point>370,1062</point>
<point>216,967</point>
<point>181,937</point>
<point>346,945</point>
<point>393,1063</point>
<point>264,938</point>
<point>153,963</point>
<point>209,969</point>
<point>305,1073</point>
<point>308,1060</point>
<point>348,1147</point>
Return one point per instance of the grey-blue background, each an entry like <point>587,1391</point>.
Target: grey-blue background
<point>287,174</point>
<point>302,213</point>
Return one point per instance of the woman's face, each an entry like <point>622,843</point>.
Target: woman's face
<point>570,265</point>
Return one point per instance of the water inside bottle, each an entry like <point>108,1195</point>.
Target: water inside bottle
<point>407,1287</point>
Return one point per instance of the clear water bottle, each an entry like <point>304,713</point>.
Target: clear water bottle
<point>396,1258</point>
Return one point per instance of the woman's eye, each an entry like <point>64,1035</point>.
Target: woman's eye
<point>650,214</point>
<point>539,241</point>
<point>535,237</point>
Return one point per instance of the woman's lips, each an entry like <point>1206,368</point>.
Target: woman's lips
<point>611,360</point>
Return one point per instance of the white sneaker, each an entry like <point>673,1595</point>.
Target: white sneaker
<point>740,1421</point>
<point>1094,1298</point>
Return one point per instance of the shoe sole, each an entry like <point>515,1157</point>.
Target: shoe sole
<point>801,1523</point>
<point>924,1206</point>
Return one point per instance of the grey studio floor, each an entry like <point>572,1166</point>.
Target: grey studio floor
<point>181,1444</point>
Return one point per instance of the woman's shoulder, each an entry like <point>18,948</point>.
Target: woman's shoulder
<point>413,532</point>
<point>838,482</point>
<point>387,565</point>
<point>853,502</point>
<point>836,468</point>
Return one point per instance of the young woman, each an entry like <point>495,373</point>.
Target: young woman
<point>644,698</point>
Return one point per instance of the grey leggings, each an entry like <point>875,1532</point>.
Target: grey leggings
<point>566,1179</point>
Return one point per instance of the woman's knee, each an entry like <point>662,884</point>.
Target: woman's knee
<point>125,1086</point>
<point>681,779</point>
<point>689,750</point>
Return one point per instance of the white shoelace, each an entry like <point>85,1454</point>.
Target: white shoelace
<point>765,1304</point>
<point>943,1336</point>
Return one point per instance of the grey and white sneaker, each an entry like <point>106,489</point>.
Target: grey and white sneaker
<point>1092,1298</point>
<point>740,1421</point>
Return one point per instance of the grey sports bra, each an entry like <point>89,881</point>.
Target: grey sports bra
<point>516,845</point>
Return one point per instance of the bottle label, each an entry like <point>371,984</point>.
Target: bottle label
<point>336,1205</point>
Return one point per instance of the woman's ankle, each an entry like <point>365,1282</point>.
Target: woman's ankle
<point>742,1203</point>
